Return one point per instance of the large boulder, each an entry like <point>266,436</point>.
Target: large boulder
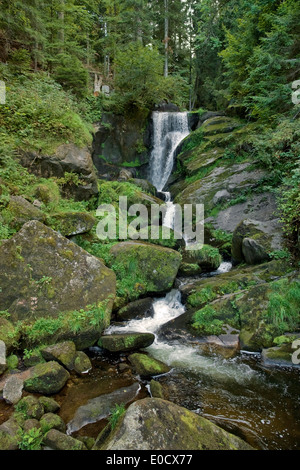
<point>68,158</point>
<point>156,424</point>
<point>41,271</point>
<point>151,268</point>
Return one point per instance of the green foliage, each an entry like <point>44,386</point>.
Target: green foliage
<point>71,74</point>
<point>31,439</point>
<point>283,309</point>
<point>139,82</point>
<point>116,413</point>
<point>205,321</point>
<point>39,115</point>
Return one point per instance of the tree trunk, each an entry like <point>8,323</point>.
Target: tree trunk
<point>166,40</point>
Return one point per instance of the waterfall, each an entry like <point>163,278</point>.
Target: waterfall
<point>169,129</point>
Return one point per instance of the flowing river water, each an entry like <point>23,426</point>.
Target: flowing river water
<point>259,404</point>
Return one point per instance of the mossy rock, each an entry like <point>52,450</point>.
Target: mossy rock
<point>37,267</point>
<point>72,223</point>
<point>9,334</point>
<point>58,440</point>
<point>146,366</point>
<point>52,421</point>
<point>156,424</point>
<point>208,258</point>
<point>20,211</point>
<point>126,341</point>
<point>47,379</point>
<point>82,363</point>
<point>30,407</point>
<point>253,241</point>
<point>147,268</point>
<point>64,353</point>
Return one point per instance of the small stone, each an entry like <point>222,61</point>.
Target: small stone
<point>82,363</point>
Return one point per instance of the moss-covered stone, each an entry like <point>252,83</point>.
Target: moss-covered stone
<point>44,274</point>
<point>72,223</point>
<point>64,353</point>
<point>57,440</point>
<point>253,241</point>
<point>9,333</point>
<point>145,267</point>
<point>48,378</point>
<point>52,421</point>
<point>82,363</point>
<point>20,211</point>
<point>30,407</point>
<point>49,404</point>
<point>126,341</point>
<point>146,366</point>
<point>208,258</point>
<point>155,424</point>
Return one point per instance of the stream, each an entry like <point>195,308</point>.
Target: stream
<point>259,404</point>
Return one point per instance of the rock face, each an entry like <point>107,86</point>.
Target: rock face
<point>154,267</point>
<point>43,272</point>
<point>68,158</point>
<point>156,424</point>
<point>119,141</point>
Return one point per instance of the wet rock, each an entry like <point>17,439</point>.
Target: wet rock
<point>100,407</point>
<point>155,424</point>
<point>48,378</point>
<point>49,404</point>
<point>57,440</point>
<point>126,342</point>
<point>208,258</point>
<point>140,308</point>
<point>9,435</point>
<point>253,240</point>
<point>9,334</point>
<point>145,365</point>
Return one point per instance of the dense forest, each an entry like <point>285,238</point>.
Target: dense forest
<point>238,55</point>
<point>86,86</point>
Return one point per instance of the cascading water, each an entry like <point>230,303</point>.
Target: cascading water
<point>236,393</point>
<point>169,129</point>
